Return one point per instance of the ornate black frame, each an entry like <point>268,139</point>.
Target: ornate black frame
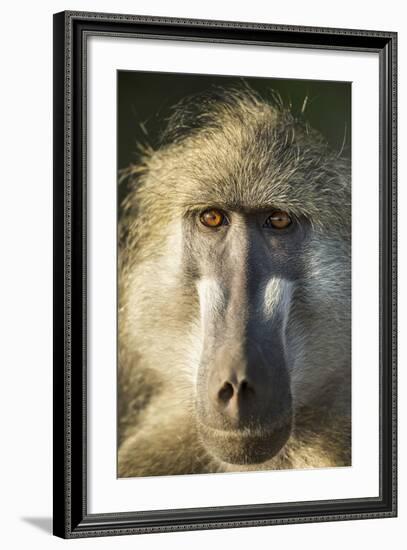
<point>71,518</point>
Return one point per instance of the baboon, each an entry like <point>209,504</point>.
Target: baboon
<point>234,278</point>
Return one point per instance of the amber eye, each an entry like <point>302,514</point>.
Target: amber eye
<point>213,218</point>
<point>278,219</point>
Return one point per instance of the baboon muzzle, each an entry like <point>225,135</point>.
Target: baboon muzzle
<point>244,399</point>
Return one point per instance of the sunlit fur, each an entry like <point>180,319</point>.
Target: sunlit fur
<point>236,147</point>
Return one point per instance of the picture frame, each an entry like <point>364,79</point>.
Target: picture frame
<point>71,475</point>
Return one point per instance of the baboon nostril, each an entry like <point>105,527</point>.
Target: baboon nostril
<point>229,391</point>
<point>245,388</point>
<point>225,394</point>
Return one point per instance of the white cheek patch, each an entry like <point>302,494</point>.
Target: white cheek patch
<point>277,298</point>
<point>212,298</point>
<point>212,303</point>
<point>276,304</point>
<point>191,355</point>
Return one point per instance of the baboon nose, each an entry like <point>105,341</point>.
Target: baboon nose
<point>234,397</point>
<point>230,391</point>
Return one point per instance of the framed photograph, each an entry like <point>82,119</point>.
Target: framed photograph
<point>224,274</point>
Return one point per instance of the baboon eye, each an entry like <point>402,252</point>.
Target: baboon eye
<point>213,218</point>
<point>278,219</point>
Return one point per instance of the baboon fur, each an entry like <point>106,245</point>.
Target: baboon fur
<point>257,152</point>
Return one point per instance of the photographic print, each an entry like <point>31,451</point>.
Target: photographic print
<point>234,274</point>
<point>225,329</point>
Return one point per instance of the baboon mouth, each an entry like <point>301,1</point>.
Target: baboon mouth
<point>245,446</point>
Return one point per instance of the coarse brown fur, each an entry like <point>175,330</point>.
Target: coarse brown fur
<point>235,148</point>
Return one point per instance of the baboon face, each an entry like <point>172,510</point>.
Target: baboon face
<point>246,263</point>
<point>243,277</point>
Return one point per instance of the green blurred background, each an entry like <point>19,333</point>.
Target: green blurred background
<point>145,100</point>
